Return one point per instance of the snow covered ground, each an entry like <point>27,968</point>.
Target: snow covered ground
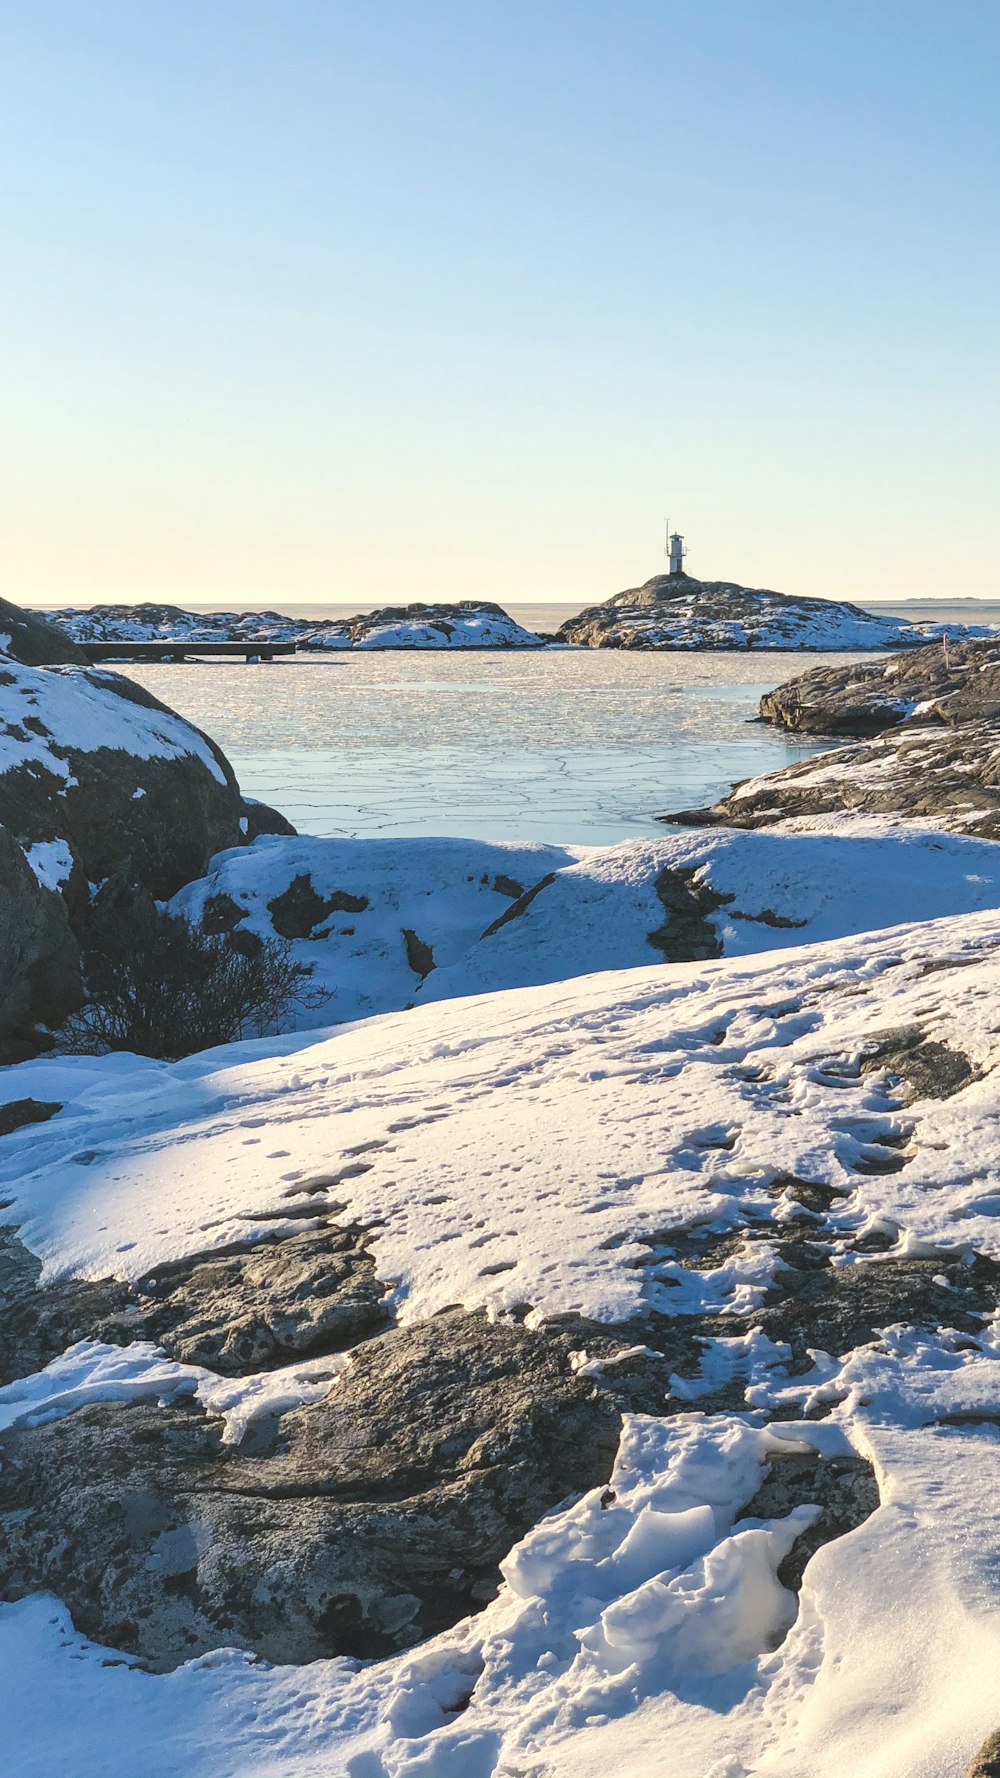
<point>547,1147</point>
<point>390,922</point>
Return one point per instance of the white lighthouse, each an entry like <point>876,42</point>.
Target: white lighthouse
<point>675,550</point>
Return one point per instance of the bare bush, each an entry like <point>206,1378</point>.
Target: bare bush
<point>162,987</point>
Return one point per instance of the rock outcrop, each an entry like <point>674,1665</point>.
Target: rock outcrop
<point>32,640</point>
<point>949,776</point>
<point>260,818</point>
<point>954,682</point>
<point>986,1763</point>
<point>250,1306</point>
<point>695,1271</point>
<point>378,1518</point>
<point>92,762</point>
<point>677,611</point>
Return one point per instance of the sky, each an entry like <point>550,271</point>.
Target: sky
<point>339,300</point>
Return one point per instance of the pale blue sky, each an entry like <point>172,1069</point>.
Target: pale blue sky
<point>374,300</point>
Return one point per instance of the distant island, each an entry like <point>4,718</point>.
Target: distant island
<point>676,611</point>
<point>670,612</point>
<point>471,623</point>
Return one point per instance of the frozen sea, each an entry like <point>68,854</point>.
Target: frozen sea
<point>580,746</point>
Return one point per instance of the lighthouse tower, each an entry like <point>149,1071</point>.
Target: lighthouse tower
<point>675,550</point>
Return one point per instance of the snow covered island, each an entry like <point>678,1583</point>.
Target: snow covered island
<point>678,611</point>
<point>671,611</point>
<point>470,623</point>
<point>565,1347</point>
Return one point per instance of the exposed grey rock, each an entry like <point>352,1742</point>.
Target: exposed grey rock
<point>835,1308</point>
<point>298,910</point>
<point>813,1303</point>
<point>520,905</point>
<point>378,1518</point>
<point>17,1113</point>
<point>419,954</point>
<point>986,1763</point>
<point>39,960</point>
<point>844,1488</point>
<point>954,683</point>
<point>267,1303</point>
<point>687,934</point>
<point>678,611</point>
<point>27,637</point>
<point>947,775</point>
<point>221,914</point>
<point>927,1069</point>
<point>247,1308</point>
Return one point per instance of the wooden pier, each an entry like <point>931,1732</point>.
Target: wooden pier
<point>184,650</point>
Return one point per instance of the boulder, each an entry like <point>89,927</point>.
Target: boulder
<point>93,761</point>
<point>26,637</point>
<point>954,682</point>
<point>261,818</point>
<point>678,611</point>
<point>39,961</point>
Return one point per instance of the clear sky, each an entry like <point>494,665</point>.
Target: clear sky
<point>384,299</point>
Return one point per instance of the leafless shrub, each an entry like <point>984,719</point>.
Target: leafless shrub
<point>162,987</point>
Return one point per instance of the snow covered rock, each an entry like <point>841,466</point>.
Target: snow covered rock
<point>948,777</point>
<point>957,683</point>
<point>92,762</point>
<point>470,623</point>
<point>677,611</point>
<point>171,623</point>
<point>27,637</point>
<point>39,962</point>
<point>383,924</point>
<point>371,918</point>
